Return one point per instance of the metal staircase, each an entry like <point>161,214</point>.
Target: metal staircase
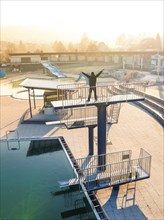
<point>97,206</point>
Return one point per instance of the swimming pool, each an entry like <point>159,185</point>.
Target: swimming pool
<point>29,183</point>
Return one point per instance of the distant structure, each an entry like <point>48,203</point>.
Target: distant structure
<point>140,60</point>
<point>2,73</point>
<point>53,69</point>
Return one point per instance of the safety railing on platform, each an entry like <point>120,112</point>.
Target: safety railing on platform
<point>116,173</point>
<point>80,117</point>
<point>105,93</point>
<point>92,161</point>
<point>86,116</point>
<point>144,164</point>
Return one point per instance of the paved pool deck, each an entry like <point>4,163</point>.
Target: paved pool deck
<point>136,129</point>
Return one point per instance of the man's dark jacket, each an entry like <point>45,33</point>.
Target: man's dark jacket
<point>92,78</point>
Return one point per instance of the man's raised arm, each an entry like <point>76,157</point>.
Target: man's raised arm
<point>85,74</point>
<point>99,73</point>
<point>82,75</point>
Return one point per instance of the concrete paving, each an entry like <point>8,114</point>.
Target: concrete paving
<point>134,130</point>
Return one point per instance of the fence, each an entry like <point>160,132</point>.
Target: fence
<point>119,169</point>
<point>77,94</point>
<point>92,161</point>
<point>85,116</point>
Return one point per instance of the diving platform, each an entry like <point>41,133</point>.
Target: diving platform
<point>67,183</point>
<point>120,169</point>
<point>106,95</point>
<point>77,103</point>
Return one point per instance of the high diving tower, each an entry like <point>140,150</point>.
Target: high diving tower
<point>108,95</point>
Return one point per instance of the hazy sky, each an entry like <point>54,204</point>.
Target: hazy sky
<point>101,20</point>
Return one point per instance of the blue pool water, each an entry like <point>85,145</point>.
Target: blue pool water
<point>29,187</point>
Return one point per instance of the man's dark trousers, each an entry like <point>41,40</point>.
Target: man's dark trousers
<point>92,88</point>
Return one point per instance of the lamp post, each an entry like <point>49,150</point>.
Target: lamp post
<point>158,64</point>
<point>123,62</point>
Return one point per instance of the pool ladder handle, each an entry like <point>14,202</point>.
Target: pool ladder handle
<point>13,148</point>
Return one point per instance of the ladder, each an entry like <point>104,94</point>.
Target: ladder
<point>14,136</point>
<point>97,206</point>
<point>115,111</point>
<point>131,187</point>
<point>72,158</point>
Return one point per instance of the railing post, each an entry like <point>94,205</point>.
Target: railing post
<point>29,99</point>
<point>91,143</point>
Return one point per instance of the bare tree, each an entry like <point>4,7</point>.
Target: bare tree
<point>21,46</point>
<point>84,43</point>
<point>121,40</point>
<point>71,47</point>
<point>92,47</point>
<point>158,44</point>
<point>58,46</point>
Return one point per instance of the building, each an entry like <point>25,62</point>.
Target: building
<point>141,60</point>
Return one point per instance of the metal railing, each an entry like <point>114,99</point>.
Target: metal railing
<point>92,161</point>
<point>86,116</point>
<point>116,173</point>
<point>79,117</point>
<point>77,94</point>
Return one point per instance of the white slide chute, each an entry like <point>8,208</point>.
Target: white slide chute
<point>53,70</point>
<point>81,75</point>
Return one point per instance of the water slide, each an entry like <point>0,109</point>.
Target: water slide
<point>53,70</point>
<point>81,75</point>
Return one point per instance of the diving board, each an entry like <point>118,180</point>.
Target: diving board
<point>67,183</point>
<point>53,69</point>
<point>74,103</point>
<point>106,95</point>
<point>120,169</point>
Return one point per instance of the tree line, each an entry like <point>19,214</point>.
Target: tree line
<point>123,42</point>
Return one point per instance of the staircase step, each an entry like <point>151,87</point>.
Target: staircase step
<point>133,188</point>
<point>130,199</point>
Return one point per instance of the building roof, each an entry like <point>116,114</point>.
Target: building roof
<point>116,52</point>
<point>41,84</point>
